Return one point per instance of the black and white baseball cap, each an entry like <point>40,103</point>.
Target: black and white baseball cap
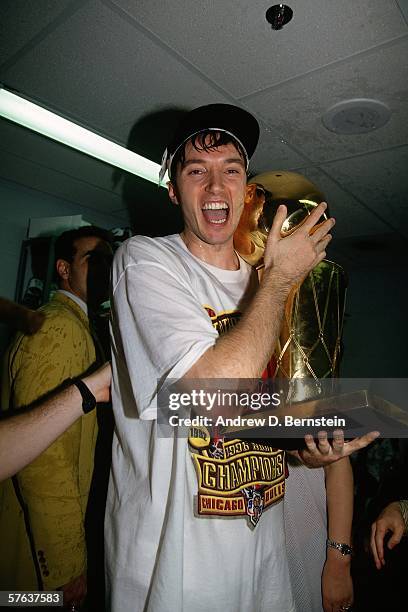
<point>235,121</point>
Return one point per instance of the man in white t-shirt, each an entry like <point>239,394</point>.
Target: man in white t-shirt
<point>196,523</point>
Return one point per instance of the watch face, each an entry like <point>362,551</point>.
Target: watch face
<point>88,404</point>
<point>345,549</point>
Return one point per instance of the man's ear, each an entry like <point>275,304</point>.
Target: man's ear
<point>63,268</point>
<point>172,193</point>
<point>250,193</point>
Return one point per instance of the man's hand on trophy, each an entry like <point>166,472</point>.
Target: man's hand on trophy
<point>290,258</point>
<point>324,452</point>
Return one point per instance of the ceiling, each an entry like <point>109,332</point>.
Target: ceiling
<point>106,63</point>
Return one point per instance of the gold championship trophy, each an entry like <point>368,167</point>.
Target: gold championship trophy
<point>309,349</point>
<point>310,341</point>
<point>309,346</point>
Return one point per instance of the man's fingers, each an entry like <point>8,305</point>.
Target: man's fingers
<point>278,221</point>
<point>396,537</point>
<point>318,232</point>
<point>311,445</point>
<point>319,258</point>
<point>324,444</point>
<point>295,453</point>
<point>338,441</point>
<point>320,248</point>
<point>359,443</point>
<point>314,217</point>
<point>379,542</point>
<point>373,545</point>
<point>326,452</point>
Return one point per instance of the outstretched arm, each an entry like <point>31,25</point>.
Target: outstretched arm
<point>24,436</point>
<point>337,585</point>
<point>19,317</point>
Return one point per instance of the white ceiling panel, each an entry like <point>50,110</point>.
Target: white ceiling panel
<point>21,21</point>
<point>109,62</point>
<point>381,180</point>
<point>403,6</point>
<point>294,110</point>
<point>233,45</point>
<point>272,152</point>
<point>353,218</point>
<point>42,178</point>
<point>40,150</point>
<point>100,69</point>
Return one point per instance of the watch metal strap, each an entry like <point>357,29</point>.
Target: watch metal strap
<point>88,398</point>
<point>345,549</point>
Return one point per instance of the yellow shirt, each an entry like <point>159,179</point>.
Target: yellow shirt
<point>53,489</point>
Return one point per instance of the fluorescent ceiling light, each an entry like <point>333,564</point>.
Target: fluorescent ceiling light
<point>47,123</point>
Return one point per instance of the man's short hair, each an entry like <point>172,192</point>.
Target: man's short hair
<point>207,140</point>
<point>65,244</point>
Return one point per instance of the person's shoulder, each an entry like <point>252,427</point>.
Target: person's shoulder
<point>62,314</point>
<point>59,305</point>
<point>145,250</point>
<point>162,257</point>
<point>53,311</point>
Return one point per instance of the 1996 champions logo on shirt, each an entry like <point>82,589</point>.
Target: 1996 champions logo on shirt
<point>236,477</point>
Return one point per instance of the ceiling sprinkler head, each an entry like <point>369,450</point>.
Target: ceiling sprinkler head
<point>279,15</point>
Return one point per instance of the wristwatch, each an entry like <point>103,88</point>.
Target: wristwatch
<point>88,398</point>
<point>345,549</point>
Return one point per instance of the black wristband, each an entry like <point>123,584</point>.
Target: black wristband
<point>88,398</point>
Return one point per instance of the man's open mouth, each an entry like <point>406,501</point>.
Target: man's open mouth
<point>216,212</point>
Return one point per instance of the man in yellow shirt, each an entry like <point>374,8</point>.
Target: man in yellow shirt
<point>42,510</point>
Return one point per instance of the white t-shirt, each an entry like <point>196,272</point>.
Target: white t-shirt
<point>172,543</point>
<point>306,533</point>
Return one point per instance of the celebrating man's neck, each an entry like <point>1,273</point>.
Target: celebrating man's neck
<point>219,255</point>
